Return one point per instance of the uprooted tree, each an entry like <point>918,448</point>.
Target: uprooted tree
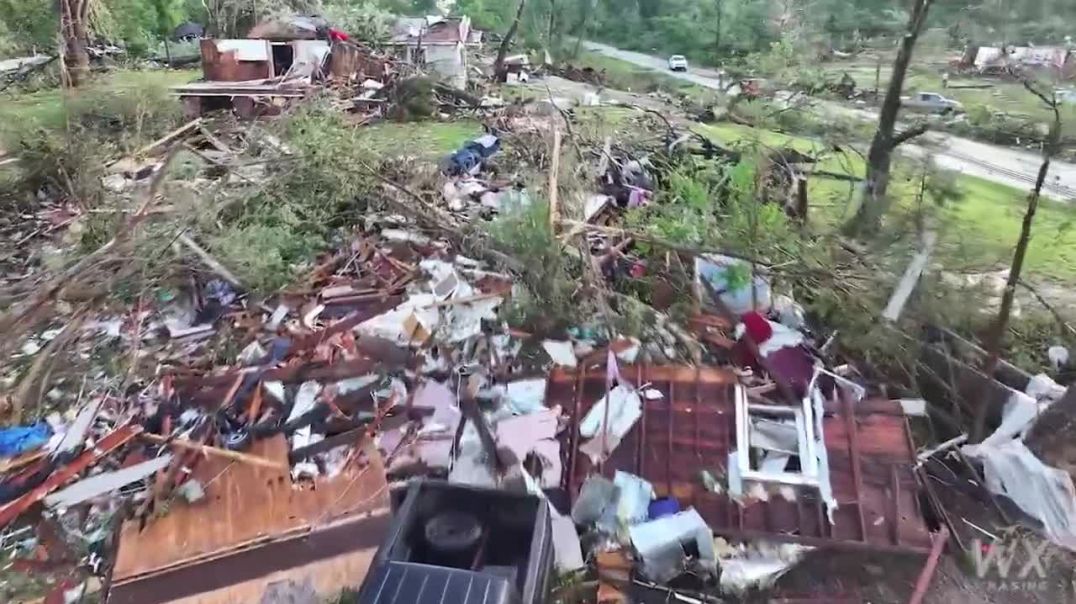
<point>873,203</point>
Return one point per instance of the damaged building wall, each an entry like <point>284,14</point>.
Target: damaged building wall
<point>439,44</point>
<point>236,60</point>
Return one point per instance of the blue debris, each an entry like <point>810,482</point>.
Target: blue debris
<point>21,439</point>
<point>469,158</point>
<point>220,291</point>
<point>666,506</point>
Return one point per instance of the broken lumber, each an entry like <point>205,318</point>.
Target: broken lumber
<point>183,443</point>
<point>191,125</point>
<point>116,439</point>
<point>923,583</point>
<point>911,277</point>
<point>210,261</point>
<point>554,177</point>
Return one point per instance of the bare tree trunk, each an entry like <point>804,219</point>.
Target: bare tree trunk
<point>506,43</point>
<point>995,338</point>
<point>873,205</point>
<point>76,60</point>
<point>719,8</point>
<point>552,21</point>
<point>588,7</point>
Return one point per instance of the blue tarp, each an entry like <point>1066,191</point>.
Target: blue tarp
<point>20,439</point>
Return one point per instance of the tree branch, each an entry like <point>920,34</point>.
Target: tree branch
<point>909,134</point>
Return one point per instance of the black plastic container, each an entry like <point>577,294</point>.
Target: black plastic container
<point>464,545</point>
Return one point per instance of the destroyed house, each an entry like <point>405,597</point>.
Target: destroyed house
<point>256,76</point>
<point>1055,60</point>
<point>440,44</point>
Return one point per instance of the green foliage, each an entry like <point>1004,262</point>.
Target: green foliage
<point>26,25</point>
<point>67,152</point>
<point>684,208</point>
<point>364,20</point>
<point>984,123</point>
<point>138,24</point>
<point>265,238</point>
<point>266,251</point>
<point>522,231</point>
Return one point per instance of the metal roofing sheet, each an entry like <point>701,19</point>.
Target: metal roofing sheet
<point>692,428</point>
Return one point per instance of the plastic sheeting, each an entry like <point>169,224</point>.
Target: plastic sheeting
<point>21,439</point>
<point>1044,493</point>
<point>603,427</point>
<point>1010,469</point>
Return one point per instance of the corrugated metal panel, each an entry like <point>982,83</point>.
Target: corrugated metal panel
<point>227,63</point>
<point>693,428</point>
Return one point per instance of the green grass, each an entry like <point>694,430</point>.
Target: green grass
<point>980,227</point>
<point>985,225</point>
<point>47,105</point>
<point>427,139</point>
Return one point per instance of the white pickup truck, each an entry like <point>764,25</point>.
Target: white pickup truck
<point>931,102</point>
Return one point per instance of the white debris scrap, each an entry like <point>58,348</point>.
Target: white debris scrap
<point>758,565</point>
<point>660,544</point>
<point>562,353</point>
<point>624,407</point>
<point>1012,470</point>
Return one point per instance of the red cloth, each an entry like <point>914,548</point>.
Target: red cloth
<point>338,36</point>
<point>757,326</point>
<point>793,365</point>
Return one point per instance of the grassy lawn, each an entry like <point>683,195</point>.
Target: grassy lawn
<point>980,228</point>
<point>45,105</point>
<point>426,139</point>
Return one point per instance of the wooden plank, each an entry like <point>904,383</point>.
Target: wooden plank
<point>246,505</point>
<point>853,451</point>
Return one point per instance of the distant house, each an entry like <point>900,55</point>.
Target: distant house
<point>1057,60</point>
<point>438,43</point>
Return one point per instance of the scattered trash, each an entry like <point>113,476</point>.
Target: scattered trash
<point>609,420</point>
<point>660,544</point>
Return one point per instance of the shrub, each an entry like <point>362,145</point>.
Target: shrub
<point>67,153</point>
<point>522,231</point>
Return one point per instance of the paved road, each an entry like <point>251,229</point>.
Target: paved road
<point>1002,165</point>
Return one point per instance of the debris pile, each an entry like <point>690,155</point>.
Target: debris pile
<point>389,362</point>
<point>381,417</point>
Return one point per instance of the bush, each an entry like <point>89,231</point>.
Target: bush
<point>522,231</point>
<point>67,153</point>
<point>986,124</point>
<point>320,187</point>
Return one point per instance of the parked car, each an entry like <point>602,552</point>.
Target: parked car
<point>678,63</point>
<point>932,102</point>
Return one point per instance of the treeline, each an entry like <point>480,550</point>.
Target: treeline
<point>705,30</point>
<point>140,26</point>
